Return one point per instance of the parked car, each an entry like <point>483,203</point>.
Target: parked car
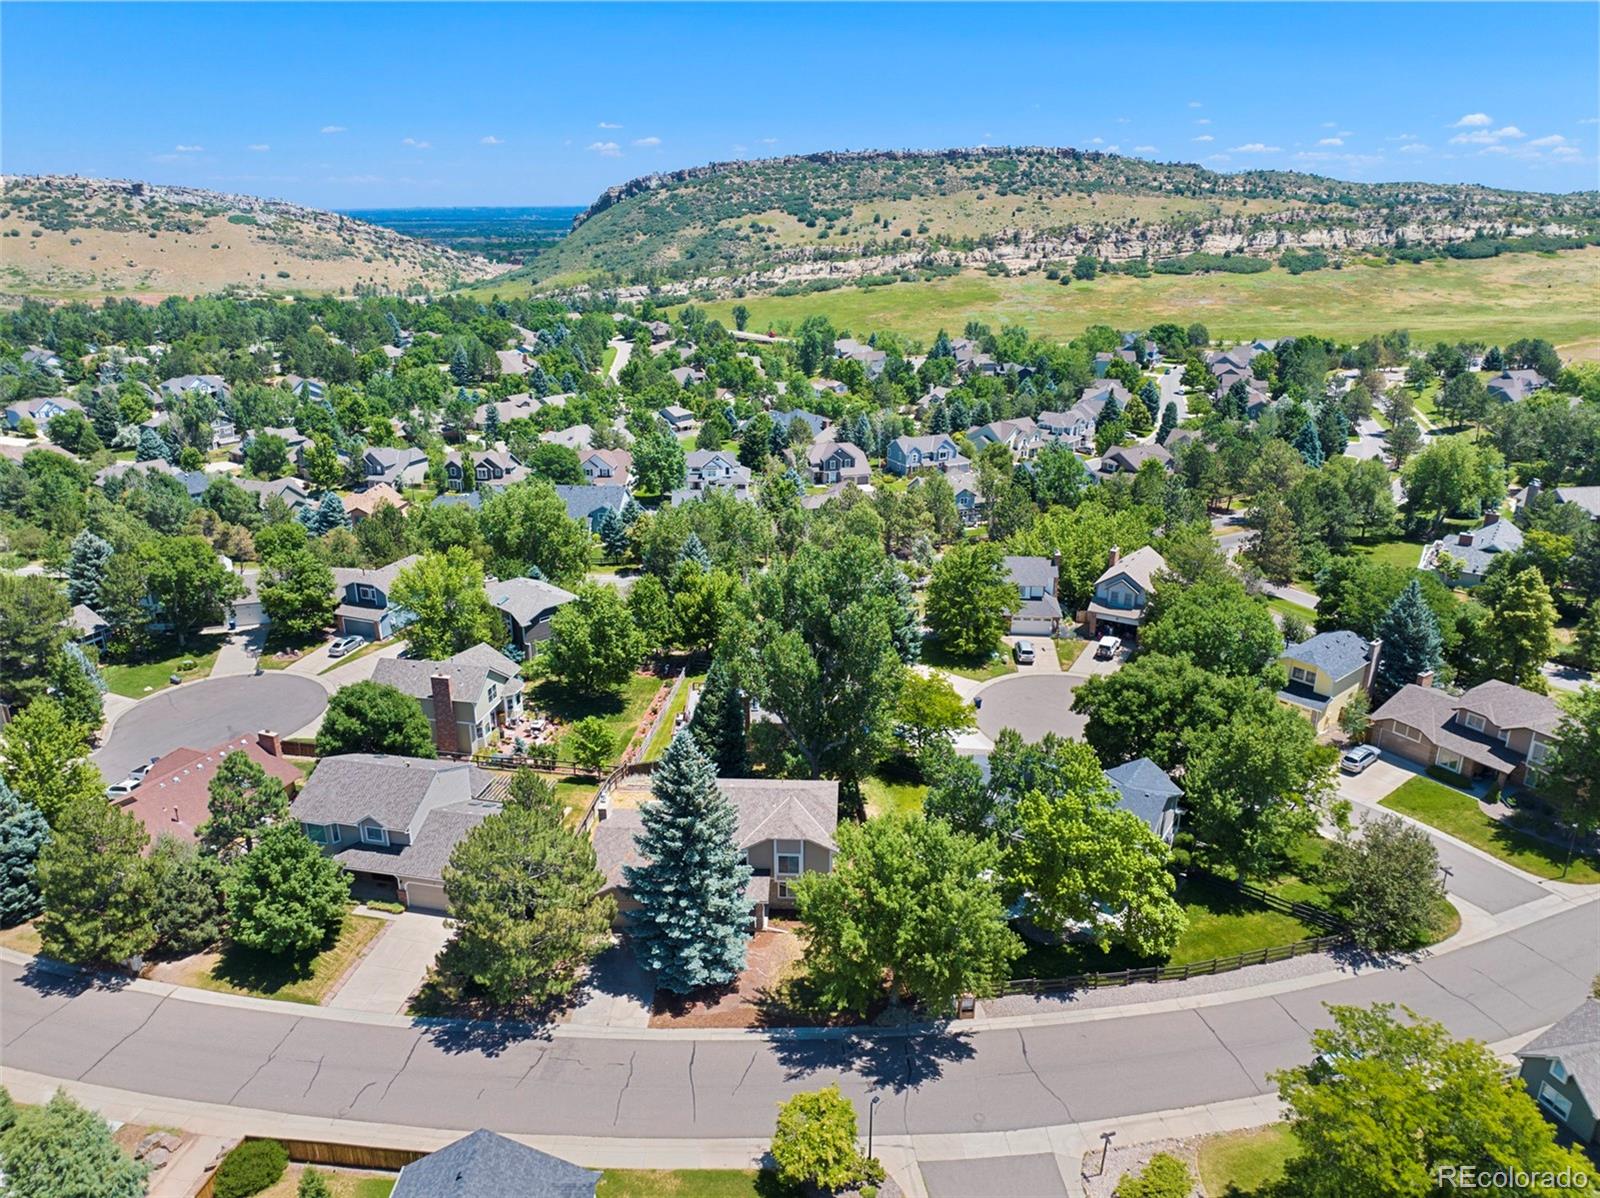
<point>346,644</point>
<point>121,790</point>
<point>1022,651</point>
<point>1107,647</point>
<point>1357,759</point>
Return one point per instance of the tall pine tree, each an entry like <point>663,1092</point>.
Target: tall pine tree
<point>23,834</point>
<point>1309,445</point>
<point>86,567</point>
<point>1411,641</point>
<point>718,723</point>
<point>693,920</point>
<point>1169,421</point>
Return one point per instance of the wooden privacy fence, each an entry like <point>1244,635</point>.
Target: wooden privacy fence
<point>321,1152</point>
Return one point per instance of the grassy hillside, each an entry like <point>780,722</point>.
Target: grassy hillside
<point>791,219</point>
<point>1494,300</point>
<point>85,238</point>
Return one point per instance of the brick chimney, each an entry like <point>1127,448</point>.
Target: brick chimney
<point>1491,518</point>
<point>1464,538</point>
<point>271,743</point>
<point>1116,556</point>
<point>444,715</point>
<point>1374,650</point>
<point>1425,679</point>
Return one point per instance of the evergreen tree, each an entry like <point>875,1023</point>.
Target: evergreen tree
<point>1150,396</point>
<point>539,382</point>
<point>718,725</point>
<point>461,365</point>
<point>98,889</point>
<point>1411,642</point>
<point>86,567</point>
<point>395,335</point>
<point>694,550</point>
<point>76,684</point>
<point>1111,412</point>
<point>1333,430</point>
<point>23,835</point>
<point>244,801</point>
<point>1494,360</point>
<point>151,447</point>
<point>631,511</point>
<point>330,514</point>
<point>693,920</point>
<point>188,897</point>
<point>939,419</point>
<point>63,1150</point>
<point>613,534</point>
<point>491,424</point>
<point>1309,445</point>
<point>1169,421</point>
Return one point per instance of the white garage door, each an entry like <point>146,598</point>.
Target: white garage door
<point>1030,627</point>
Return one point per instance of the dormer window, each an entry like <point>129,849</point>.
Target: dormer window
<point>1472,720</point>
<point>365,593</point>
<point>372,834</point>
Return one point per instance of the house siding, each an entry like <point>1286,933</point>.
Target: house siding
<point>1581,1121</point>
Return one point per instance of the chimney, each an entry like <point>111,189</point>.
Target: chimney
<point>1055,560</point>
<point>1374,649</point>
<point>1425,679</point>
<point>1116,556</point>
<point>444,715</point>
<point>1535,488</point>
<point>271,743</point>
<point>1464,538</point>
<point>1491,518</point>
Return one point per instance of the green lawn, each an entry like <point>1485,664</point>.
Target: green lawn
<point>607,358</point>
<point>1247,1161</point>
<point>884,795</point>
<point>1222,923</point>
<point>342,1183</point>
<point>692,1183</point>
<point>934,655</point>
<point>1494,299</point>
<point>662,737</point>
<point>621,711</point>
<point>1395,552</point>
<point>1284,608</point>
<point>304,980</point>
<point>1458,814</point>
<point>140,678</point>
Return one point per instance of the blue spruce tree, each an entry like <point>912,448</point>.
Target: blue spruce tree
<point>718,725</point>
<point>631,511</point>
<point>694,550</point>
<point>1309,445</point>
<point>461,365</point>
<point>23,834</point>
<point>693,920</point>
<point>613,534</point>
<point>86,567</point>
<point>1411,642</point>
<point>330,514</point>
<point>151,447</point>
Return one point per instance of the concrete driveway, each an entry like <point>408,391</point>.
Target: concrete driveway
<point>199,715</point>
<point>1033,704</point>
<point>386,978</point>
<point>1034,1175</point>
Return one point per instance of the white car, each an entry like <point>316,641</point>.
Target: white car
<point>1023,652</point>
<point>1355,760</point>
<point>1107,647</point>
<point>346,644</point>
<point>121,790</point>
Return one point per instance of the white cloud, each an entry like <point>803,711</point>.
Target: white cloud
<point>1590,120</point>
<point>1566,151</point>
<point>1203,137</point>
<point>1194,104</point>
<point>1554,139</point>
<point>769,141</point>
<point>1355,161</point>
<point>1330,124</point>
<point>1344,133</point>
<point>606,149</point>
<point>188,149</point>
<point>1330,141</point>
<point>1122,120</point>
<point>1494,150</point>
<point>1488,137</point>
<point>740,149</point>
<point>646,142</point>
<point>258,148</point>
<point>609,125</point>
<point>1205,120</point>
<point>1097,141</point>
<point>1144,149</point>
<point>333,128</point>
<point>415,144</point>
<point>1113,149</point>
<point>1219,158</point>
<point>1474,120</point>
<point>1413,147</point>
<point>1256,147</point>
<point>491,140</point>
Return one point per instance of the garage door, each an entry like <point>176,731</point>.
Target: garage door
<point>427,896</point>
<point>364,628</point>
<point>1027,627</point>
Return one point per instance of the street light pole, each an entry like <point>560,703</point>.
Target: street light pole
<point>872,1109</point>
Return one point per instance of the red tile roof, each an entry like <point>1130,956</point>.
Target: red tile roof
<point>175,797</point>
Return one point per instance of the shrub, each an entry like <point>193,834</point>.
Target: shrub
<point>250,1168</point>
<point>1165,1176</point>
<point>385,905</point>
<point>313,1185</point>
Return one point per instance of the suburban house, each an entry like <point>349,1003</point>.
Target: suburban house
<point>487,1165</point>
<point>679,419</point>
<point>305,388</point>
<point>364,503</point>
<point>89,627</point>
<point>527,605</point>
<point>175,797</point>
<point>1121,593</point>
<point>293,440</point>
<point>511,361</point>
<point>1324,672</point>
<point>602,466</point>
<point>838,462</point>
<point>785,828</point>
<point>1021,436</point>
<point>397,467</point>
<point>686,376</point>
<point>712,469</point>
<point>963,481</point>
<point>872,360</point>
<point>213,385</point>
<point>466,698</point>
<point>1465,557</point>
<point>1035,580</point>
<point>1493,729</point>
<point>363,595</point>
<point>41,411</point>
<point>817,424</point>
<point>591,503</point>
<point>1146,789</point>
<point>491,470</point>
<point>44,359</point>
<point>1107,389</point>
<point>291,490</point>
<point>1512,385</point>
<point>936,451</point>
<point>1585,498</point>
<point>512,407</point>
<point>1561,1068</point>
<point>1076,425</point>
<point>393,821</point>
<point>1126,459</point>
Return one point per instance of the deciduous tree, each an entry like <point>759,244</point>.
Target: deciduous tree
<point>296,589</point>
<point>930,710</point>
<point>449,609</point>
<point>46,759</point>
<point>284,897</point>
<point>1215,624</point>
<point>815,1143</point>
<point>971,599</point>
<point>369,717</point>
<point>594,645</point>
<point>1388,883</point>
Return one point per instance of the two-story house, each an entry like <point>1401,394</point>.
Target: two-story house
<point>1494,729</point>
<point>602,467</point>
<point>466,698</point>
<point>785,829</point>
<point>1126,459</point>
<point>1561,1069</point>
<point>46,360</point>
<point>361,506</point>
<point>1325,673</point>
<point>838,462</point>
<point>713,469</point>
<point>678,418</point>
<point>213,385</point>
<point>526,604</point>
<point>404,467</point>
<point>1122,591</point>
<point>1035,580</point>
<point>1464,558</point>
<point>491,470</point>
<point>364,608</point>
<point>1511,385</point>
<point>41,411</point>
<point>935,451</point>
<point>590,503</point>
<point>1021,436</point>
<point>1148,791</point>
<point>392,822</point>
<point>872,360</point>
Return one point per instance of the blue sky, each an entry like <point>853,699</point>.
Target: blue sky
<point>418,104</point>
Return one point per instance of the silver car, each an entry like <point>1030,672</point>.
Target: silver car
<point>346,644</point>
<point>1357,759</point>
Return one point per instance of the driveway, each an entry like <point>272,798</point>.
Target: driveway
<point>199,715</point>
<point>1035,1175</point>
<point>1033,704</point>
<point>386,978</point>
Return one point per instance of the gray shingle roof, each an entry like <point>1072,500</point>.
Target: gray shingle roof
<point>584,501</point>
<point>467,671</point>
<point>1574,1040</point>
<point>383,577</point>
<point>487,1165</point>
<point>428,853</point>
<point>1032,571</point>
<point>1145,789</point>
<point>1339,653</point>
<point>1507,706</point>
<point>392,791</point>
<point>523,599</point>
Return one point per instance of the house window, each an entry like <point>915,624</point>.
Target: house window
<point>494,692</point>
<point>366,594</point>
<point>1555,1102</point>
<point>1538,751</point>
<point>1447,760</point>
<point>322,834</point>
<point>1558,1071</point>
<point>784,890</point>
<point>788,865</point>
<point>1406,731</point>
<point>1473,720</point>
<point>374,835</point>
<point>1302,676</point>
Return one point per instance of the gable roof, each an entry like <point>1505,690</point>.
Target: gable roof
<point>823,450</point>
<point>381,577</point>
<point>1574,1040</point>
<point>523,599</point>
<point>1338,654</point>
<point>584,501</point>
<point>175,796</point>
<point>1142,566</point>
<point>1508,706</point>
<point>1144,789</point>
<point>468,672</point>
<point>1031,571</point>
<point>487,1165</point>
<point>388,790</point>
<point>1134,456</point>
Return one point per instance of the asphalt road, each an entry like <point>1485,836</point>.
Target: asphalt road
<point>1033,704</point>
<point>559,1082</point>
<point>1479,882</point>
<point>201,714</point>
